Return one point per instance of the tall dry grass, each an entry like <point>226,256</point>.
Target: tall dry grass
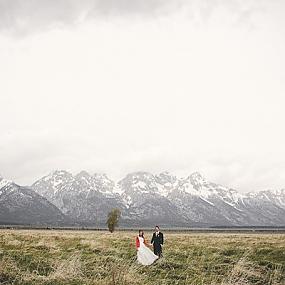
<point>66,257</point>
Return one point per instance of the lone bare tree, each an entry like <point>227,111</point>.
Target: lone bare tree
<point>113,219</point>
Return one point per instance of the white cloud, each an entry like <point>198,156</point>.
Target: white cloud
<point>156,91</point>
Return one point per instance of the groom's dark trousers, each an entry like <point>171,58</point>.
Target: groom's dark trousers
<point>157,241</point>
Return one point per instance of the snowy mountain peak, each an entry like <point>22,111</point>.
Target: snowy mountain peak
<point>166,177</point>
<point>82,174</point>
<point>197,180</point>
<point>60,172</point>
<point>166,183</point>
<point>139,180</point>
<point>57,174</point>
<point>101,176</point>
<point>103,182</point>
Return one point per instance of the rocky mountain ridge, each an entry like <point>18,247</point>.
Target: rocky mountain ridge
<point>145,199</point>
<point>22,205</point>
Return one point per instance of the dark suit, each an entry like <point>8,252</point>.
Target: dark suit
<point>157,241</point>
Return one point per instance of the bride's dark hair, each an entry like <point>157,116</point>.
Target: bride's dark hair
<point>141,233</point>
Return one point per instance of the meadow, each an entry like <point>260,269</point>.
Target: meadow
<point>49,257</point>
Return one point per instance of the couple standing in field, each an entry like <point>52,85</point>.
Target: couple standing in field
<point>144,255</point>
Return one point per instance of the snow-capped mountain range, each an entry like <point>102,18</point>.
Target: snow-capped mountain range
<point>21,205</point>
<point>146,199</point>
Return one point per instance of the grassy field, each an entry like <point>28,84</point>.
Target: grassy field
<point>90,257</point>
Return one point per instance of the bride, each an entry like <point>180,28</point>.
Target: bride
<point>144,254</point>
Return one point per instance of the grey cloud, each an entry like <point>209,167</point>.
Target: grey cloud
<point>22,17</point>
<point>32,15</point>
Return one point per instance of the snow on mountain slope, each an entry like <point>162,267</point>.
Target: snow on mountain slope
<point>21,205</point>
<point>166,182</point>
<point>85,198</point>
<point>145,198</point>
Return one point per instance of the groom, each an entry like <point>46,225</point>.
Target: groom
<point>157,242</point>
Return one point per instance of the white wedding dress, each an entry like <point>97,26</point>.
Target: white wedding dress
<point>145,255</point>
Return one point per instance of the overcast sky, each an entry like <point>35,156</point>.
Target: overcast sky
<point>117,86</point>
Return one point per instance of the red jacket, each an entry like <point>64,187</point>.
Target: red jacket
<point>138,242</point>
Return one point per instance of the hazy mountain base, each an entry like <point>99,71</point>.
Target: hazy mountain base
<point>62,257</point>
